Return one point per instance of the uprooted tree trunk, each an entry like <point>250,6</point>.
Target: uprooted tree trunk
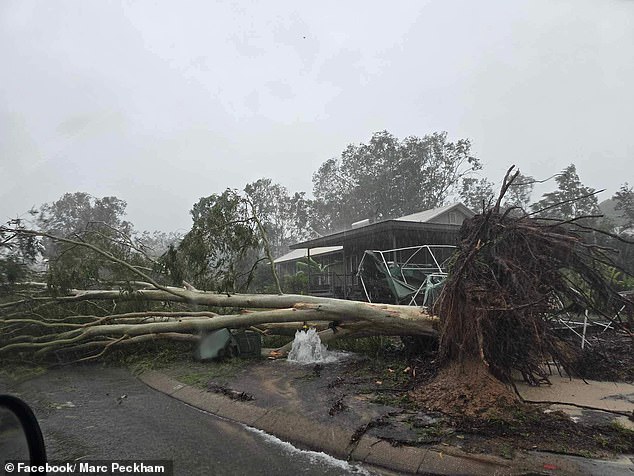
<point>508,275</point>
<point>23,332</point>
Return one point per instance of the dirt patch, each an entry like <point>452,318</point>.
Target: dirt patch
<point>467,389</point>
<point>438,411</point>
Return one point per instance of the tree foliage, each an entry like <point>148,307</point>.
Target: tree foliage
<point>233,233</point>
<point>216,252</point>
<point>155,244</point>
<point>388,177</point>
<point>283,215</point>
<point>477,194</point>
<point>572,199</point>
<point>99,221</point>
<point>18,253</point>
<point>624,199</point>
<point>75,213</point>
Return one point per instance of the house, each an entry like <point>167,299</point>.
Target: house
<point>339,254</point>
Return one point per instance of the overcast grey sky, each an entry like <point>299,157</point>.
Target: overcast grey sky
<point>162,102</point>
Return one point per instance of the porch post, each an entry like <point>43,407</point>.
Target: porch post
<point>308,255</point>
<point>345,273</point>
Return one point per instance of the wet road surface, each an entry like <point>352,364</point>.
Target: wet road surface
<point>102,413</point>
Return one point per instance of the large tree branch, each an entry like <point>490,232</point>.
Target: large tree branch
<point>101,252</point>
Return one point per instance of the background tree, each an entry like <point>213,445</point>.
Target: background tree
<point>216,253</point>
<point>571,199</point>
<point>477,194</point>
<point>75,212</point>
<point>18,254</point>
<point>624,199</point>
<point>519,192</point>
<point>157,243</point>
<point>283,216</point>
<point>99,221</point>
<point>234,233</point>
<point>624,227</point>
<point>387,177</point>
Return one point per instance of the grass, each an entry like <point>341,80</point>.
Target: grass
<point>621,428</point>
<point>196,379</point>
<point>21,372</point>
<point>275,342</point>
<point>371,346</point>
<point>176,359</point>
<point>198,374</point>
<point>150,357</point>
<point>506,451</point>
<point>622,438</point>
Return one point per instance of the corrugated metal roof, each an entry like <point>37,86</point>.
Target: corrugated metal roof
<point>407,221</point>
<point>427,215</point>
<point>303,253</point>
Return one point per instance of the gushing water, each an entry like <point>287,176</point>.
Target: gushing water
<point>308,349</point>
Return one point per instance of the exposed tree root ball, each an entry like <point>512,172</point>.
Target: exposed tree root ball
<point>467,389</point>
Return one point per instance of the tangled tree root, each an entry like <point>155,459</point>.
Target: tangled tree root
<point>509,274</point>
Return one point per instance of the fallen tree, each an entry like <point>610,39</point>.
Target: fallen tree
<point>44,319</point>
<point>24,332</point>
<point>510,273</point>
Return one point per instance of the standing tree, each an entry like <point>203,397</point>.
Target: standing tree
<point>389,177</point>
<point>17,253</point>
<point>283,216</point>
<point>228,240</point>
<point>624,199</point>
<point>572,199</point>
<point>624,203</point>
<point>216,253</point>
<point>519,192</point>
<point>157,243</point>
<point>477,194</point>
<point>74,213</point>
<point>99,221</point>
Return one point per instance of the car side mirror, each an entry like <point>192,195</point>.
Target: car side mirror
<point>19,429</point>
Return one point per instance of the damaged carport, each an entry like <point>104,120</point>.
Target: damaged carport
<point>385,235</point>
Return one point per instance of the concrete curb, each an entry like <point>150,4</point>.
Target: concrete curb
<point>336,440</point>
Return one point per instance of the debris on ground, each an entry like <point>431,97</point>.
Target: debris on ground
<point>232,394</point>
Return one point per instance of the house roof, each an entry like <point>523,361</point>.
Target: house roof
<point>407,222</point>
<point>428,215</point>
<point>303,253</point>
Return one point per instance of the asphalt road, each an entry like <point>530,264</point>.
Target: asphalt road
<point>101,413</point>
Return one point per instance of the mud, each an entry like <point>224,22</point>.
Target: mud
<point>375,397</point>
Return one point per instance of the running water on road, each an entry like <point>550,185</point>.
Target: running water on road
<point>308,349</point>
